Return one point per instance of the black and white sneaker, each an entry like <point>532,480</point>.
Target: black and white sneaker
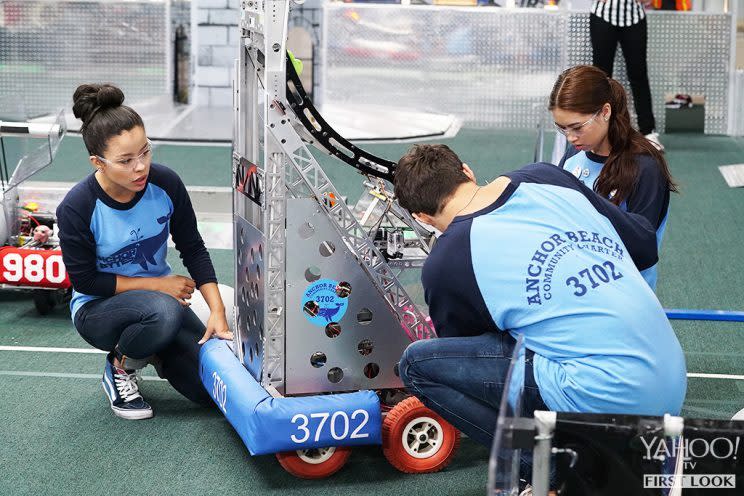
<point>123,394</point>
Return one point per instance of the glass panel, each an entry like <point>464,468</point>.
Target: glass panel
<point>37,147</point>
<point>503,476</point>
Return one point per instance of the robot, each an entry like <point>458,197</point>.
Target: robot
<point>325,292</point>
<point>30,258</point>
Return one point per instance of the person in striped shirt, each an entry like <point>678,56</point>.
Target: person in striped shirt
<point>624,22</point>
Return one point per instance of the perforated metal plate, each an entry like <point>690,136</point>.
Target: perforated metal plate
<point>370,340</point>
<point>738,117</point>
<point>249,294</point>
<point>495,67</point>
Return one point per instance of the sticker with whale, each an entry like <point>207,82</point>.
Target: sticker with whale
<point>325,301</point>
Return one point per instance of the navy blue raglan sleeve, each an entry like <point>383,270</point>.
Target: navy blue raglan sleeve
<point>456,305</point>
<point>79,246</point>
<point>183,226</point>
<point>636,232</point>
<point>650,198</point>
<point>436,299</point>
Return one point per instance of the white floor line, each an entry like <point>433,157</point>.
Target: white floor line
<point>193,142</point>
<point>67,375</point>
<point>64,375</point>
<point>44,349</point>
<point>716,376</point>
<point>694,375</point>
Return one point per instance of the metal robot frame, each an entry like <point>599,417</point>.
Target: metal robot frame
<point>323,312</point>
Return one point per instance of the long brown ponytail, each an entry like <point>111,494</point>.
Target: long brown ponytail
<point>585,89</point>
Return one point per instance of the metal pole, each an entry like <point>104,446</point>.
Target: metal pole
<point>545,423</point>
<point>169,69</point>
<point>731,9</point>
<point>30,129</point>
<point>539,145</point>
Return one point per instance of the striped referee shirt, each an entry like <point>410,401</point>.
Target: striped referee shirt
<point>619,13</point>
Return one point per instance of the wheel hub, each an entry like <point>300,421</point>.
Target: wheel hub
<point>316,456</point>
<point>422,437</point>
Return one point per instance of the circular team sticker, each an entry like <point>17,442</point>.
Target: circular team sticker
<point>325,301</point>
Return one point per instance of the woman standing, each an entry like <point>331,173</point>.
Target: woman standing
<point>624,22</point>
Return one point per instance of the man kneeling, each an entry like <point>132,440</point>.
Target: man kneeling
<point>539,254</point>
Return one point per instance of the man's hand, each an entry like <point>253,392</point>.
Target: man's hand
<point>216,326</point>
<point>179,287</point>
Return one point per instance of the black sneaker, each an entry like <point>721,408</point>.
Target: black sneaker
<point>122,391</point>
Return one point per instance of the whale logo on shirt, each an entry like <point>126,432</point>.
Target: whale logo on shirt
<point>141,251</point>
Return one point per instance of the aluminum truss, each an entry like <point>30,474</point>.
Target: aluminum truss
<point>274,124</point>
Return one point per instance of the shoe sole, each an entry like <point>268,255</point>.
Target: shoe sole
<point>656,144</point>
<point>127,414</point>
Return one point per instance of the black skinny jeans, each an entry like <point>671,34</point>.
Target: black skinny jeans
<point>633,40</point>
<point>144,323</point>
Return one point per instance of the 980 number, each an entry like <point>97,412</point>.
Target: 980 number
<point>32,267</point>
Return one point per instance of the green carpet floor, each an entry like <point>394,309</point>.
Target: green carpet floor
<point>57,435</point>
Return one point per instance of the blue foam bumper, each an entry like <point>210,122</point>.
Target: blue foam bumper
<point>270,425</point>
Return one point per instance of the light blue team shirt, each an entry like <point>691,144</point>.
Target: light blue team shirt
<point>586,166</point>
<point>554,262</point>
<point>102,238</point>
<point>131,242</point>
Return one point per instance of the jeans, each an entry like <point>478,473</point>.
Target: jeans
<point>633,40</point>
<point>145,323</point>
<point>463,379</point>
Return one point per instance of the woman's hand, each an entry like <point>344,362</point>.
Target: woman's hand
<point>216,326</point>
<point>179,287</point>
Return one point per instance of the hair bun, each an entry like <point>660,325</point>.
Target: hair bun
<point>109,96</point>
<point>90,98</point>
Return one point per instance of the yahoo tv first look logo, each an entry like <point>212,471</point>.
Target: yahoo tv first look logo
<point>693,457</point>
